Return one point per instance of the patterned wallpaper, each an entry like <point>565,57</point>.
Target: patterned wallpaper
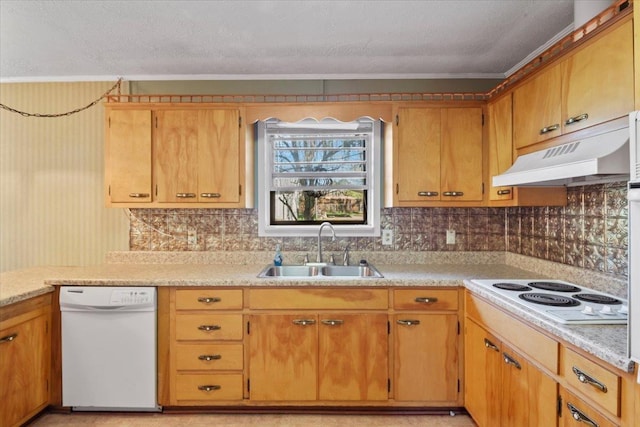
<point>590,232</point>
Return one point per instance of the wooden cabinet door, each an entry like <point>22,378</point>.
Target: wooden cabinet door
<point>129,155</point>
<point>483,364</point>
<point>598,80</point>
<point>426,357</point>
<point>24,369</point>
<point>461,157</point>
<point>537,111</point>
<point>500,134</point>
<point>283,357</point>
<point>417,155</point>
<point>353,361</point>
<point>176,155</point>
<point>219,156</point>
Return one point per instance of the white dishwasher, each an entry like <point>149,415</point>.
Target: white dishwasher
<point>109,348</point>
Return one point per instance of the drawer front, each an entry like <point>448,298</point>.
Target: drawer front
<point>425,299</point>
<point>209,327</point>
<point>208,299</point>
<point>592,380</point>
<point>209,357</point>
<point>209,388</point>
<point>314,298</point>
<point>576,412</point>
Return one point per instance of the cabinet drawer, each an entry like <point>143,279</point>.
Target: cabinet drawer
<point>209,326</point>
<point>425,299</point>
<point>592,380</point>
<point>209,387</point>
<point>209,357</point>
<point>576,412</point>
<point>358,299</point>
<point>208,299</point>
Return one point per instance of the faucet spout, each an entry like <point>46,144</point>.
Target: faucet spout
<point>333,238</point>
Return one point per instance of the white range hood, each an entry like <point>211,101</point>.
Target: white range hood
<point>599,158</point>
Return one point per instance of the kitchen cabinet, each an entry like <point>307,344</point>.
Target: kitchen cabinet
<point>25,359</point>
<point>563,98</point>
<point>438,156</point>
<point>501,156</point>
<point>298,354</point>
<point>575,412</point>
<point>425,331</point>
<point>206,346</point>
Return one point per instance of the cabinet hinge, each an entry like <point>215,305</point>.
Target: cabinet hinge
<point>47,384</point>
<point>248,328</point>
<point>109,190</point>
<point>458,327</point>
<point>156,190</point>
<point>389,385</point>
<point>397,188</point>
<point>458,385</point>
<point>240,189</point>
<point>248,385</point>
<point>483,188</point>
<point>156,117</point>
<point>482,119</point>
<point>397,120</point>
<point>109,121</point>
<point>559,409</point>
<point>239,121</point>
<point>388,328</point>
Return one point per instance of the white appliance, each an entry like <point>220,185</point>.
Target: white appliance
<point>560,301</point>
<point>109,348</point>
<point>633,196</point>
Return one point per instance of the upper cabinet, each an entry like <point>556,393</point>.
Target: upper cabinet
<point>590,86</point>
<point>163,156</point>
<point>438,156</point>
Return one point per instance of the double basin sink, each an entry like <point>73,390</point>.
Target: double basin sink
<point>319,271</point>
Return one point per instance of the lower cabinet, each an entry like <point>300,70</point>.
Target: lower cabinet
<point>25,359</point>
<point>575,412</point>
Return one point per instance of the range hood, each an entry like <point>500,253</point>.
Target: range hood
<point>591,160</point>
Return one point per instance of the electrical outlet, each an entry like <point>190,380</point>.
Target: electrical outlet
<point>451,237</point>
<point>387,237</point>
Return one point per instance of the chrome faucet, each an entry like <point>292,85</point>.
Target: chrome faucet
<point>333,238</point>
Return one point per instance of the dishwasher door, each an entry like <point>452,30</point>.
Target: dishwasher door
<point>109,348</point>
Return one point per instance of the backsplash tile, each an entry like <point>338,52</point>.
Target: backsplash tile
<point>590,232</point>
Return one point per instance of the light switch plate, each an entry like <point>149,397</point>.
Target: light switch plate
<point>387,237</point>
<point>451,237</point>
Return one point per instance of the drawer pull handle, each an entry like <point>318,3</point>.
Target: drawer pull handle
<point>453,193</point>
<point>304,322</point>
<point>185,195</point>
<point>208,300</point>
<point>209,357</point>
<point>209,387</point>
<point>426,300</point>
<point>587,379</point>
<point>139,195</point>
<point>511,361</point>
<point>209,328</point>
<point>490,345</point>
<point>548,129</point>
<point>427,193</point>
<point>408,322</point>
<point>503,192</point>
<point>210,195</point>
<point>332,322</point>
<point>580,417</point>
<point>9,338</point>
<point>576,119</point>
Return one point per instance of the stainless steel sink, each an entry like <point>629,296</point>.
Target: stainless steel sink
<point>320,271</point>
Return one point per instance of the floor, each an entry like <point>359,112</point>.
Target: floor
<point>271,420</point>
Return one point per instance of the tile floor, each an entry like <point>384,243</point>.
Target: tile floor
<point>271,420</point>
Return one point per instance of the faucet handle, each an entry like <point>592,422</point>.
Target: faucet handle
<point>305,261</point>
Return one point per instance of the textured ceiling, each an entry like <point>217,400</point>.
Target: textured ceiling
<point>169,40</point>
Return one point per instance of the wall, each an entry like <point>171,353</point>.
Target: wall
<point>51,178</point>
<point>590,232</point>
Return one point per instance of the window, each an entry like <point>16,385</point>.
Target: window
<point>310,172</point>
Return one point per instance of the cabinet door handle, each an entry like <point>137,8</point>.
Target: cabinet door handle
<point>511,361</point>
<point>503,192</point>
<point>9,338</point>
<point>138,195</point>
<point>408,322</point>
<point>579,416</point>
<point>453,193</point>
<point>212,387</point>
<point>208,300</point>
<point>427,193</point>
<point>588,379</point>
<point>426,300</point>
<point>208,328</point>
<point>332,322</point>
<point>209,357</point>
<point>576,119</point>
<point>490,345</point>
<point>185,195</point>
<point>304,322</point>
<point>548,129</point>
<point>210,195</point>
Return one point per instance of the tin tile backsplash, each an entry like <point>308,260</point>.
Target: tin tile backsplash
<point>590,232</point>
